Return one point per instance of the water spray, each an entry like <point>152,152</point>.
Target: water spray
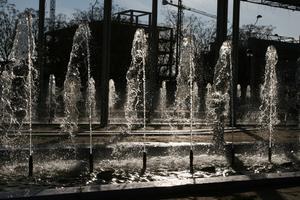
<point>191,75</point>
<point>90,93</point>
<point>268,109</point>
<point>144,114</point>
<point>232,113</point>
<point>29,81</point>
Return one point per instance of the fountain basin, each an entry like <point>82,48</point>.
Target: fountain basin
<point>63,162</point>
<point>170,188</point>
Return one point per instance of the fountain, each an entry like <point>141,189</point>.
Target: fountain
<point>135,77</point>
<point>30,83</point>
<point>207,100</point>
<point>51,98</point>
<point>218,102</point>
<point>165,115</point>
<point>268,110</point>
<point>112,96</point>
<point>248,92</point>
<point>7,119</point>
<point>91,94</point>
<point>191,146</point>
<point>191,88</point>
<point>239,92</point>
<point>162,99</point>
<point>184,89</point>
<point>72,86</point>
<point>196,99</point>
<point>184,96</point>
<point>22,74</point>
<point>136,85</point>
<point>21,81</point>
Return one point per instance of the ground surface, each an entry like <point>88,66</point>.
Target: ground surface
<point>52,133</point>
<point>62,161</point>
<point>274,194</point>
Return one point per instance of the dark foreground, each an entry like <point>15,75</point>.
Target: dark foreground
<point>292,193</point>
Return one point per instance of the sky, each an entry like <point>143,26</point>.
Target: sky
<point>285,21</point>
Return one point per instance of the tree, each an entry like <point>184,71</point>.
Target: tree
<point>203,32</point>
<point>8,16</point>
<point>256,31</point>
<point>94,12</point>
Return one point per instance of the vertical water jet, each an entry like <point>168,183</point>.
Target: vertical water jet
<point>268,117</point>
<point>72,94</point>
<point>90,94</point>
<point>218,102</point>
<point>136,85</point>
<point>30,82</point>
<point>51,99</point>
<point>191,89</point>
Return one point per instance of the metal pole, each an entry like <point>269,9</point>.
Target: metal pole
<point>178,33</point>
<point>104,76</point>
<point>222,22</point>
<point>235,53</point>
<point>153,71</point>
<point>40,60</point>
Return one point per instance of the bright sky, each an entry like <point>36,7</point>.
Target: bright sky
<point>285,21</point>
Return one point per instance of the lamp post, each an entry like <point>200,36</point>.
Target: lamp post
<point>257,18</point>
<point>252,26</point>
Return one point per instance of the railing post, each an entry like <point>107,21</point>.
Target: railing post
<point>104,76</point>
<point>40,46</point>
<point>235,57</point>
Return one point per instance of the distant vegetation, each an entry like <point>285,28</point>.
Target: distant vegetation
<point>203,32</point>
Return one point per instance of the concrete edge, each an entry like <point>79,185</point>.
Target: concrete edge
<point>165,189</point>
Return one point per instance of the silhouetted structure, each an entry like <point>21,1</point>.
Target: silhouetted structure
<point>114,65</point>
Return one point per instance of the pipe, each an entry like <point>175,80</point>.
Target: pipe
<point>30,166</point>
<point>144,161</point>
<point>191,161</point>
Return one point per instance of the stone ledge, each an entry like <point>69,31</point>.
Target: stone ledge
<point>165,189</point>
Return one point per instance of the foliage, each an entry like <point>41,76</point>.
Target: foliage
<point>203,32</point>
<point>93,13</point>
<point>260,32</point>
<point>8,16</point>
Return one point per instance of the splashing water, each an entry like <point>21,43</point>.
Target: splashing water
<point>268,110</point>
<point>196,100</point>
<point>185,78</point>
<point>30,79</point>
<point>112,96</point>
<point>23,74</point>
<point>91,89</point>
<point>91,99</point>
<point>7,119</point>
<point>91,105</point>
<point>51,98</point>
<point>136,79</point>
<point>218,104</point>
<point>248,92</point>
<point>162,99</point>
<point>22,39</point>
<point>238,91</point>
<point>207,98</point>
<point>165,115</point>
<point>72,85</point>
